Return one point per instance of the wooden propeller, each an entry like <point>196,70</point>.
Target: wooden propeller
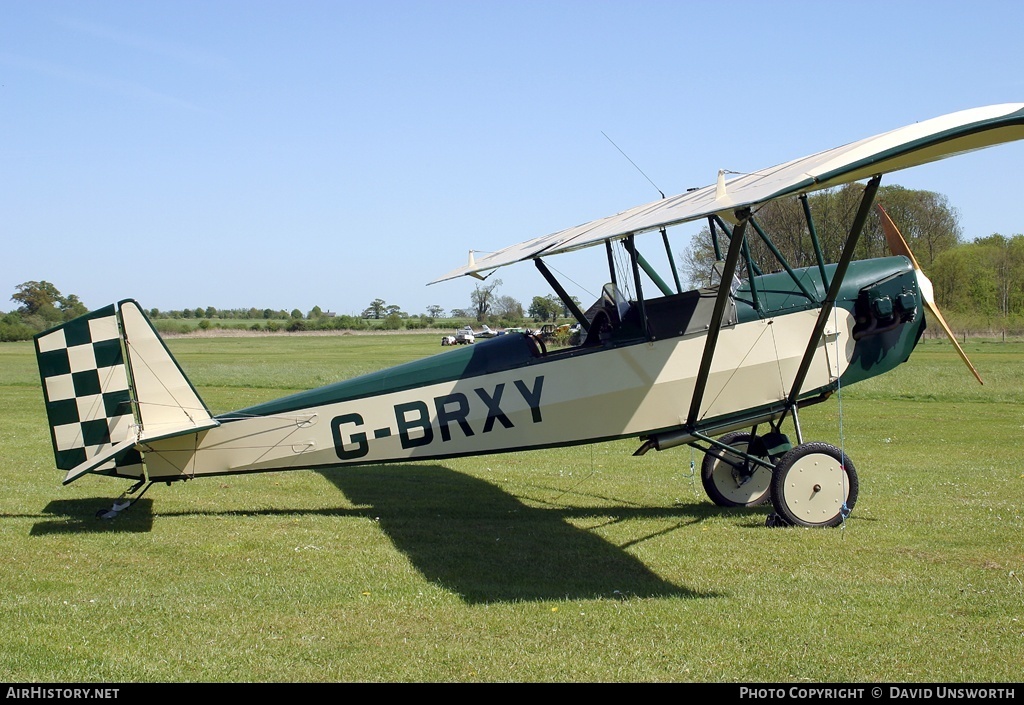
<point>899,246</point>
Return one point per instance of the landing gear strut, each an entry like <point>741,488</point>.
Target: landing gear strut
<point>123,502</point>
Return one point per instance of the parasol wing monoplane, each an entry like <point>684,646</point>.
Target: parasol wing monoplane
<point>706,367</point>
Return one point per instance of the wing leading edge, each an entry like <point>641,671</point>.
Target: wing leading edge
<point>905,147</point>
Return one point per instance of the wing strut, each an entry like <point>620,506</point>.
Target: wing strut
<point>611,261</point>
<point>752,269</point>
<point>671,261</point>
<point>562,294</point>
<point>646,266</point>
<point>724,292</point>
<point>712,219</point>
<point>782,260</point>
<point>814,238</point>
<point>634,256</point>
<point>837,280</point>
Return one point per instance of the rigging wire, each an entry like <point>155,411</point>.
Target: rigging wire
<point>623,271</point>
<point>692,475</point>
<point>570,279</point>
<point>844,511</point>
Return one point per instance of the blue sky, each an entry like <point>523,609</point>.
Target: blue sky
<point>291,154</point>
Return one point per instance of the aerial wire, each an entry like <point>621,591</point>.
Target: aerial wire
<point>634,164</point>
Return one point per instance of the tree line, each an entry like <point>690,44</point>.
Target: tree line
<point>978,283</point>
<point>42,306</point>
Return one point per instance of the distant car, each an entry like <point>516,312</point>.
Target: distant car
<point>448,340</point>
<point>464,336</point>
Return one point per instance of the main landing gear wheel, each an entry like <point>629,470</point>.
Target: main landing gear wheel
<point>815,484</point>
<point>731,480</point>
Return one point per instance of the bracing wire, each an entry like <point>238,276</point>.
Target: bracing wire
<point>573,281</point>
<point>845,510</point>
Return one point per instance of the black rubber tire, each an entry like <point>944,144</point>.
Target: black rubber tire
<point>815,485</point>
<point>728,486</point>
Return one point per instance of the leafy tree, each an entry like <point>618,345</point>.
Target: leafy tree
<point>948,273</point>
<point>927,222</point>
<point>482,298</point>
<point>985,276</point>
<point>71,307</point>
<point>376,309</point>
<point>925,219</point>
<point>211,312</point>
<point>566,313</point>
<point>1005,257</point>
<point>12,328</point>
<point>435,311</point>
<point>507,308</point>
<point>314,313</point>
<point>42,306</point>
<point>296,314</point>
<point>392,322</point>
<point>545,308</point>
<point>35,297</point>
<point>349,323</point>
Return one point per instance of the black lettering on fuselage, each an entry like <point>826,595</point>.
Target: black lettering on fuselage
<point>420,421</point>
<point>359,439</point>
<point>494,412</point>
<point>532,396</point>
<point>414,425</point>
<point>458,414</point>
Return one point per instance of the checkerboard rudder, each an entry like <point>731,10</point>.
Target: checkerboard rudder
<point>109,383</point>
<point>85,386</point>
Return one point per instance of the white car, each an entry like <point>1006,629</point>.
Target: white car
<point>464,336</point>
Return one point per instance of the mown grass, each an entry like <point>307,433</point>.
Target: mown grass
<point>576,564</point>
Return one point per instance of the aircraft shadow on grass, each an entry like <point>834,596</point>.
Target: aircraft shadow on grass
<point>477,540</point>
<point>81,516</point>
<point>463,533</point>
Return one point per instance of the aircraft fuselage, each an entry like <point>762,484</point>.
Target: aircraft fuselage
<point>503,394</point>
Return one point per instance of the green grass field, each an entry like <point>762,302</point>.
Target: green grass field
<point>577,564</point>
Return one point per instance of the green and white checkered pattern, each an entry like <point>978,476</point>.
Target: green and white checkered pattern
<point>85,385</point>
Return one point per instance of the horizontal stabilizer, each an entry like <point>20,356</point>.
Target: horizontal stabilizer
<point>106,460</point>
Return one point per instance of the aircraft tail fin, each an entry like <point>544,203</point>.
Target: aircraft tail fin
<point>110,384</point>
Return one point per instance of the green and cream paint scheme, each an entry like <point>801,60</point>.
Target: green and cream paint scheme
<point>681,367</point>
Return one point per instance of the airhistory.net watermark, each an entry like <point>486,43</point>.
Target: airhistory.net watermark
<point>52,693</point>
